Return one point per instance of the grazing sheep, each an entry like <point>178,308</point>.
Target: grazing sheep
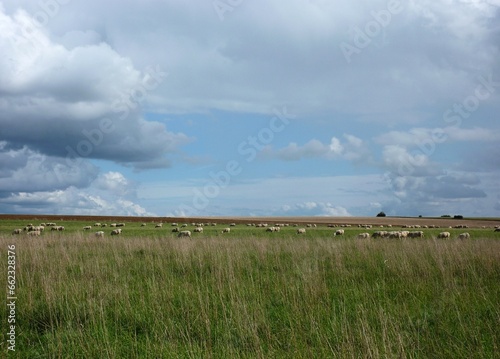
<point>444,235</point>
<point>17,231</point>
<point>159,225</point>
<point>34,228</point>
<point>339,232</point>
<point>232,224</point>
<point>184,225</point>
<point>174,224</point>
<point>176,229</point>
<point>464,236</point>
<point>104,225</point>
<point>99,234</point>
<point>120,224</point>
<point>364,235</point>
<point>301,231</point>
<point>112,225</point>
<point>416,234</point>
<point>273,229</point>
<point>497,230</point>
<point>57,228</point>
<point>143,224</point>
<point>184,234</point>
<point>226,230</point>
<point>86,228</point>
<point>97,224</point>
<point>198,229</point>
<point>34,233</point>
<point>116,232</point>
<point>395,234</point>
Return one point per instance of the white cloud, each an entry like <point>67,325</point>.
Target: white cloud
<point>313,209</point>
<point>108,193</point>
<point>84,100</point>
<point>351,149</point>
<point>70,201</point>
<point>418,136</point>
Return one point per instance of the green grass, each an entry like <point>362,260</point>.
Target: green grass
<point>253,294</point>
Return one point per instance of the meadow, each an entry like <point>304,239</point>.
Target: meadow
<point>252,294</point>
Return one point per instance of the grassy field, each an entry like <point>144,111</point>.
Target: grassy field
<point>252,294</point>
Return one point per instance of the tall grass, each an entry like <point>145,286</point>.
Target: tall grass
<point>255,297</point>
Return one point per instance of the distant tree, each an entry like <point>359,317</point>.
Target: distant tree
<point>419,216</point>
<point>445,216</point>
<point>458,216</point>
<point>381,214</point>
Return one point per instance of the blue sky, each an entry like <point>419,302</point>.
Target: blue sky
<point>327,108</point>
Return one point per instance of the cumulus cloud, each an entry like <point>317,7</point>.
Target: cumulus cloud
<point>75,89</point>
<point>109,193</point>
<point>313,209</point>
<point>81,101</point>
<point>352,148</point>
<point>25,170</point>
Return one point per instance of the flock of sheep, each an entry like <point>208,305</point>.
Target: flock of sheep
<point>182,231</point>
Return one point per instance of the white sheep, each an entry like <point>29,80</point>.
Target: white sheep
<point>17,231</point>
<point>226,230</point>
<point>116,232</point>
<point>364,235</point>
<point>198,229</point>
<point>86,228</point>
<point>416,234</point>
<point>381,234</point>
<point>339,232</point>
<point>464,235</point>
<point>301,231</point>
<point>395,234</point>
<point>34,233</point>
<point>184,234</point>
<point>99,234</point>
<point>159,225</point>
<point>444,235</point>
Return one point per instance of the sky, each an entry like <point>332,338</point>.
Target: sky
<point>250,108</point>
